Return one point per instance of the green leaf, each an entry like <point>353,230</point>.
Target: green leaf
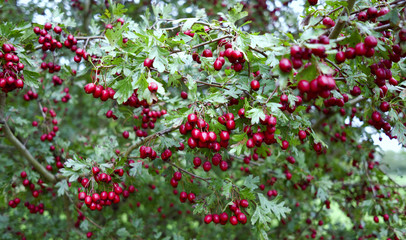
<point>251,183</point>
<point>236,13</point>
<point>309,73</point>
<point>279,210</point>
<point>124,90</point>
<point>255,114</point>
<point>136,169</point>
<point>392,16</point>
<point>62,187</point>
<point>123,233</point>
<point>31,78</point>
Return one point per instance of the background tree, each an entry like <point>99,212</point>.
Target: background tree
<point>201,119</point>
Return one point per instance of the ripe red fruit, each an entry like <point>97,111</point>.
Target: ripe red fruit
<point>376,219</point>
<point>285,145</point>
<point>242,218</point>
<point>223,165</point>
<point>223,217</point>
<point>82,196</point>
<point>207,53</point>
<point>224,136</point>
<point>288,175</point>
<point>233,220</point>
<point>302,134</point>
<point>89,88</point>
<point>362,16</point>
<point>152,87</point>
<point>177,176</point>
<point>372,12</point>
<point>207,166</point>
<point>376,117</point>
<point>360,49</point>
<point>386,217</point>
<point>191,197</point>
<point>285,65</point>
<point>192,118</point>
<point>216,218</point>
<point>370,42</point>
<point>88,200</point>
<point>230,124</point>
<point>303,86</point>
<point>340,57</point>
<point>255,85</point>
<point>217,65</point>
<point>148,63</point>
<point>23,174</point>
<point>244,203</point>
<point>48,26</point>
<point>197,162</point>
<point>183,95</point>
<point>126,134</point>
<point>208,219</point>
<point>312,2</point>
<point>384,106</point>
<point>328,22</point>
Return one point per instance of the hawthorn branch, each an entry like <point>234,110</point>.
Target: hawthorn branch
<point>259,51</point>
<point>89,38</point>
<point>379,6</point>
<point>340,24</point>
<point>20,147</point>
<point>149,138</point>
<point>211,84</point>
<point>211,41</point>
<point>187,172</point>
<point>328,14</point>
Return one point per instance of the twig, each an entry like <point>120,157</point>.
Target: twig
<point>212,85</point>
<point>191,174</point>
<point>20,147</point>
<point>259,51</point>
<point>331,12</point>
<point>211,41</point>
<point>379,6</point>
<point>149,138</point>
<point>335,65</point>
<point>89,38</point>
<point>340,24</point>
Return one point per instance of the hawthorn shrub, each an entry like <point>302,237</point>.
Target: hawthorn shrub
<point>200,127</point>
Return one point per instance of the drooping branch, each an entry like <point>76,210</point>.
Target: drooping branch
<point>149,138</point>
<point>340,24</point>
<point>187,172</point>
<point>212,41</point>
<point>20,147</point>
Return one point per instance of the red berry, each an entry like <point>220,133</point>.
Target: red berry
<point>285,65</point>
<point>255,85</point>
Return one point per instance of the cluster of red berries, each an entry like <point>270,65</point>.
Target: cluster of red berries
<point>45,38</point>
<point>26,183</point>
<point>148,152</point>
<point>55,128</point>
<point>199,138</point>
<point>81,53</point>
<point>183,196</point>
<point>51,67</point>
<point>77,4</point>
<point>35,209</point>
<point>96,200</point>
<point>382,73</point>
<point>134,102</point>
<point>14,203</point>
<point>99,91</point>
<point>321,86</point>
<point>223,218</point>
<point>371,14</point>
<point>284,101</point>
<point>267,136</point>
<point>57,80</point>
<point>328,22</point>
<point>234,56</point>
<point>177,176</point>
<point>10,77</point>
<point>30,95</point>
<point>67,96</point>
<point>110,114</point>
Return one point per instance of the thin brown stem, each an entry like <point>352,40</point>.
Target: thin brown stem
<point>212,41</point>
<point>187,172</point>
